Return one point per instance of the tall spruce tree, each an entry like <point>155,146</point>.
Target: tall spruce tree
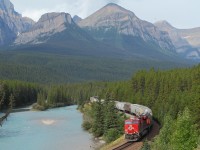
<point>146,146</point>
<point>162,141</point>
<point>110,120</point>
<point>185,135</point>
<point>11,101</point>
<point>98,121</point>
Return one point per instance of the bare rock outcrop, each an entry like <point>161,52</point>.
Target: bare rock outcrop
<point>11,22</point>
<point>47,25</point>
<point>186,41</point>
<point>126,22</point>
<point>77,19</point>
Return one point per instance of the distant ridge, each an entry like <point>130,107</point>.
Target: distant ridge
<point>110,31</point>
<point>186,41</point>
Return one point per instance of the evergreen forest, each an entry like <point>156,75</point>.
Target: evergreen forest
<point>173,95</point>
<point>46,67</point>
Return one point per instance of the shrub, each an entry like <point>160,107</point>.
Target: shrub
<point>86,125</point>
<point>146,146</point>
<point>39,107</point>
<point>111,135</point>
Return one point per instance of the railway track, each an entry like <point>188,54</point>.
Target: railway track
<point>124,146</point>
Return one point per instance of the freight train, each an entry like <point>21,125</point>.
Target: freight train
<point>140,121</point>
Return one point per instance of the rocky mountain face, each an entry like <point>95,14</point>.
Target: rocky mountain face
<point>192,36</point>
<point>115,21</point>
<point>11,22</point>
<point>77,19</point>
<point>111,29</point>
<point>57,32</point>
<point>6,35</point>
<point>186,41</point>
<point>48,25</point>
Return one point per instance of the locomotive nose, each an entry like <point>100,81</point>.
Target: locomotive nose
<point>130,128</point>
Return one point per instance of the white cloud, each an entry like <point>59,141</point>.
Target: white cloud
<point>187,14</point>
<point>34,14</point>
<point>82,8</point>
<point>86,7</point>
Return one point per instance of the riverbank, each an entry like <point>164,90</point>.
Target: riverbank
<point>103,121</point>
<point>4,117</point>
<point>86,125</point>
<point>38,107</point>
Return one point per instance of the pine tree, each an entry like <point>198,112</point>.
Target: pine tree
<point>111,118</point>
<point>98,121</point>
<point>112,122</point>
<point>146,146</point>
<point>185,133</point>
<point>41,98</point>
<point>2,98</point>
<point>163,139</point>
<point>11,101</point>
<point>198,148</point>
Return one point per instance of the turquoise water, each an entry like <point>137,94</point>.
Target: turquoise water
<point>55,129</point>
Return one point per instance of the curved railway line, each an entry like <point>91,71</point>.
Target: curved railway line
<point>123,146</point>
<point>141,125</point>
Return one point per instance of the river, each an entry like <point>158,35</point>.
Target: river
<point>54,129</point>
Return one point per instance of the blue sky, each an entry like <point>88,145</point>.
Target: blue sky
<point>180,13</point>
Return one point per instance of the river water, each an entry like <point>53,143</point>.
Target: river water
<point>54,129</point>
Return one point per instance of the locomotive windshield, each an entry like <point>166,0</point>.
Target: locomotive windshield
<point>132,122</point>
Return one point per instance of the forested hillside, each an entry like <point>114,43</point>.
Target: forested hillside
<point>59,67</point>
<point>17,93</point>
<point>163,91</point>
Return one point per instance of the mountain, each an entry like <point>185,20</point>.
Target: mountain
<point>115,25</point>
<point>111,24</point>
<point>192,36</point>
<point>48,25</point>
<point>11,22</point>
<point>111,31</point>
<point>186,41</point>
<point>57,50</point>
<point>58,33</point>
<point>6,35</point>
<point>77,19</point>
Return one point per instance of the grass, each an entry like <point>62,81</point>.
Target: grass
<point>113,144</point>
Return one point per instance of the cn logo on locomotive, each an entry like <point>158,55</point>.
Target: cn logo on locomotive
<point>130,127</point>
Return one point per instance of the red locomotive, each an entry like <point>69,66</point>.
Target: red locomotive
<point>140,122</point>
<point>136,127</point>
